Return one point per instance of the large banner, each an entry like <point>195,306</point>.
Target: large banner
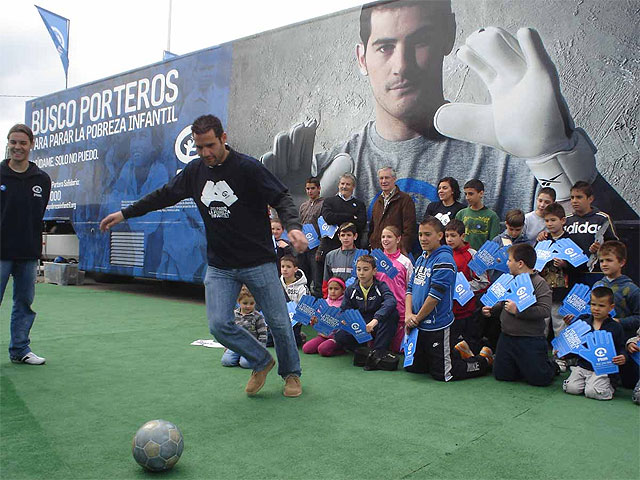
<point>372,83</point>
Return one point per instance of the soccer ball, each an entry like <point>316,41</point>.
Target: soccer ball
<point>157,445</point>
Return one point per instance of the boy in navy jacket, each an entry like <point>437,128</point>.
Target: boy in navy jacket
<point>375,302</point>
<point>429,308</point>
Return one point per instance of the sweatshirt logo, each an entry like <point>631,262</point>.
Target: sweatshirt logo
<point>37,191</point>
<point>219,192</point>
<point>582,228</point>
<point>421,275</point>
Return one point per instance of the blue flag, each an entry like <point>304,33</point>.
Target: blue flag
<point>544,253</point>
<point>328,321</point>
<point>326,230</point>
<point>571,338</point>
<point>58,28</point>
<point>497,291</point>
<point>485,257</point>
<point>167,55</point>
<point>305,309</point>
<point>311,234</point>
<point>569,251</point>
<point>577,301</point>
<point>600,352</point>
<point>351,321</point>
<point>521,290</point>
<point>383,263</point>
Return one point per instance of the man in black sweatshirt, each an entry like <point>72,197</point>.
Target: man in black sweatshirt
<point>232,192</point>
<point>24,194</point>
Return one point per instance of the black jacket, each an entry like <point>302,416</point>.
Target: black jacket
<point>336,211</point>
<point>23,201</point>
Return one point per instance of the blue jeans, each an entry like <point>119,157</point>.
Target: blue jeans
<point>221,292</point>
<point>24,289</point>
<point>233,359</point>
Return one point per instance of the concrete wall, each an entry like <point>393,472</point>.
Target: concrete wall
<point>309,70</point>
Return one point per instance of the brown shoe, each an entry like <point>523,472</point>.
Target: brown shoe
<point>292,386</point>
<point>257,379</point>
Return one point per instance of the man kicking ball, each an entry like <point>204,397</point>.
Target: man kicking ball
<point>232,192</point>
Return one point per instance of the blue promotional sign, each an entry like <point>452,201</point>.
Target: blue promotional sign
<point>58,28</point>
<point>384,264</point>
<point>497,291</point>
<point>600,352</point>
<point>351,321</point>
<point>576,302</point>
<point>485,257</point>
<point>291,309</point>
<point>305,310</point>
<point>359,252</point>
<point>311,234</point>
<point>326,230</point>
<point>544,253</point>
<point>571,338</point>
<point>349,281</point>
<point>568,250</point>
<point>521,292</point>
<point>502,255</point>
<point>462,292</point>
<point>410,342</point>
<point>328,320</point>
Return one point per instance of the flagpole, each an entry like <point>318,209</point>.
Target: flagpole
<point>66,73</point>
<point>169,29</point>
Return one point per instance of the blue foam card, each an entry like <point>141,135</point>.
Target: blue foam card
<point>352,322</point>
<point>568,250</point>
<point>326,230</point>
<point>462,292</point>
<point>521,292</point>
<point>311,234</point>
<point>291,309</point>
<point>544,253</point>
<point>358,254</point>
<point>571,338</point>
<point>384,263</point>
<point>576,302</point>
<point>410,341</point>
<point>305,309</point>
<point>328,320</point>
<point>502,255</point>
<point>600,352</point>
<point>485,257</point>
<point>497,291</point>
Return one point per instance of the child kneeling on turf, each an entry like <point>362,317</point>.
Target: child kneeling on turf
<point>521,352</point>
<point>251,320</point>
<point>325,345</point>
<point>430,296</point>
<point>583,379</point>
<point>377,305</point>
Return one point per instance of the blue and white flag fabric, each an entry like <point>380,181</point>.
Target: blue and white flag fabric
<point>326,230</point>
<point>576,302</point>
<point>351,321</point>
<point>410,341</point>
<point>359,252</point>
<point>462,292</point>
<point>485,257</point>
<point>521,292</point>
<point>311,234</point>
<point>497,291</point>
<point>305,309</point>
<point>167,55</point>
<point>291,309</point>
<point>600,352</point>
<point>544,253</point>
<point>58,28</point>
<point>568,250</point>
<point>384,263</point>
<point>571,338</point>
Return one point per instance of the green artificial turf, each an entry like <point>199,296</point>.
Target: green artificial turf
<point>116,360</point>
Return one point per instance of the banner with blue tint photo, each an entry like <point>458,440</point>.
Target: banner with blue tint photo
<point>485,257</point>
<point>600,352</point>
<point>521,292</point>
<point>410,342</point>
<point>497,291</point>
<point>311,234</point>
<point>326,230</point>
<point>384,264</point>
<point>119,139</point>
<point>576,302</point>
<point>58,28</point>
<point>571,338</point>
<point>352,322</point>
<point>462,292</point>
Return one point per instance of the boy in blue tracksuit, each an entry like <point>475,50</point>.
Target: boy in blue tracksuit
<point>429,308</point>
<point>375,302</point>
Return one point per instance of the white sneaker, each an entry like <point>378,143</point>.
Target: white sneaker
<point>30,359</point>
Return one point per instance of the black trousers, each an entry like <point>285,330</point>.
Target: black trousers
<point>434,355</point>
<point>523,358</point>
<point>313,270</point>
<point>382,335</point>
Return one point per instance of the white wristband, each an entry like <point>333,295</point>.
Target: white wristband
<point>563,169</point>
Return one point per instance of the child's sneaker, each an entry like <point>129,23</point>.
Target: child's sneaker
<point>562,364</point>
<point>464,350</point>
<point>487,353</point>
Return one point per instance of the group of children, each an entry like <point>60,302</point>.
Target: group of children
<point>458,341</point>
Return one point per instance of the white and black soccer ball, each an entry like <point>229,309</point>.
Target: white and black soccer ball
<point>157,445</point>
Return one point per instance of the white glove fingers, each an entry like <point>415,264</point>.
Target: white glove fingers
<point>342,163</point>
<point>296,134</point>
<point>308,142</point>
<point>468,122</point>
<point>499,50</point>
<point>476,63</point>
<point>282,146</point>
